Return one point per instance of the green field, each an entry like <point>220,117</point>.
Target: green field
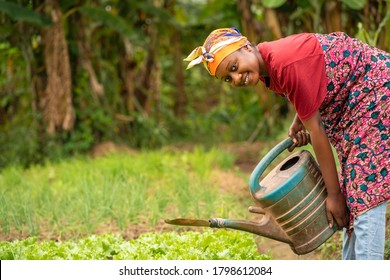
<point>91,207</point>
<point>114,207</point>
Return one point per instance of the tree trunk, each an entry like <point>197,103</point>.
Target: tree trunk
<point>85,58</point>
<point>128,66</point>
<point>272,21</point>
<point>148,91</point>
<point>56,100</point>
<point>332,16</point>
<point>247,21</point>
<point>181,97</point>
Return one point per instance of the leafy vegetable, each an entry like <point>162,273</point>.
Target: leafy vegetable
<point>207,245</point>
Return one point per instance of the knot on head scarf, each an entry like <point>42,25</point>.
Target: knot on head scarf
<point>219,44</point>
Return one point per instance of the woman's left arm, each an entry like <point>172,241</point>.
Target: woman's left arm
<point>335,203</point>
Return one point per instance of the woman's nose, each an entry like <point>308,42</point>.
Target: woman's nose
<point>236,79</point>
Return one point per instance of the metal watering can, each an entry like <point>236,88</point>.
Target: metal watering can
<point>291,200</point>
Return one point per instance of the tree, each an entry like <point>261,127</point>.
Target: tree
<point>56,99</point>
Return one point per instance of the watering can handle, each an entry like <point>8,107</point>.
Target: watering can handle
<point>265,162</point>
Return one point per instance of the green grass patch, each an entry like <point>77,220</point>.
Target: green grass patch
<point>78,197</point>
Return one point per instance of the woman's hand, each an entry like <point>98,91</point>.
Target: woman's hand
<point>336,210</point>
<point>298,134</point>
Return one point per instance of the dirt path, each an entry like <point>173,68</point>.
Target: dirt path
<point>282,251</point>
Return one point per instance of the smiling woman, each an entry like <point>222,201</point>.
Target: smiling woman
<point>339,88</point>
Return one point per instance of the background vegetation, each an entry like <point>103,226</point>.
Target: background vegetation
<point>114,207</point>
<point>86,196</point>
<point>76,73</point>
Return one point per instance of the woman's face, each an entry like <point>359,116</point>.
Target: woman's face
<point>241,68</point>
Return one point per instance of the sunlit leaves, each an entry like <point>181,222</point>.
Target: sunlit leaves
<point>273,3</point>
<point>115,22</point>
<point>355,4</point>
<point>20,13</point>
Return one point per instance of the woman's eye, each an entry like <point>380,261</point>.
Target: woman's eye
<point>234,67</point>
<point>228,79</point>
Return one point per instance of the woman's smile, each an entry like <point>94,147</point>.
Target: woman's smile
<point>246,81</point>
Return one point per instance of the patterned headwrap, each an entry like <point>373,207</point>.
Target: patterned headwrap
<point>219,44</point>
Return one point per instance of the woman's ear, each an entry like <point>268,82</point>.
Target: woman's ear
<point>248,47</point>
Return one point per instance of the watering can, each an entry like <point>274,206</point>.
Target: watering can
<point>290,198</point>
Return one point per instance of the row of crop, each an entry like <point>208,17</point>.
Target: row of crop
<point>190,245</point>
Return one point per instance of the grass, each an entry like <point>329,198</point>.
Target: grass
<point>124,193</point>
<point>78,197</point>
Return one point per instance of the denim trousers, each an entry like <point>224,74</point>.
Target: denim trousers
<point>367,240</point>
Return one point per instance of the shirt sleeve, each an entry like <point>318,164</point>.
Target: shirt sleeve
<point>304,82</point>
<point>296,67</point>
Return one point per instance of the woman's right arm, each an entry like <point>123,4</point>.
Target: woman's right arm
<point>335,204</point>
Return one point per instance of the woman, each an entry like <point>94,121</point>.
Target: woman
<point>340,88</point>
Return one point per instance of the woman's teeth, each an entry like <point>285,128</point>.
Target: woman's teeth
<point>246,79</point>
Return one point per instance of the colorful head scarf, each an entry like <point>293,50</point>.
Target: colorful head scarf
<point>219,44</point>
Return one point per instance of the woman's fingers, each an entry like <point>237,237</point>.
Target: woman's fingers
<point>330,219</point>
<point>301,138</point>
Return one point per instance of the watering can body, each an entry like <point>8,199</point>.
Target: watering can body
<point>294,194</point>
<point>291,199</point>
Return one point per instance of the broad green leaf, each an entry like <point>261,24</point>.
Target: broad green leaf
<point>303,3</point>
<point>19,13</point>
<point>273,3</point>
<point>115,22</point>
<point>355,4</point>
<point>208,245</point>
<point>362,34</point>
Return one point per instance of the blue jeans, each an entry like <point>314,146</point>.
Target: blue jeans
<point>367,241</point>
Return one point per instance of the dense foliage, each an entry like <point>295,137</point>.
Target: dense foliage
<point>119,75</point>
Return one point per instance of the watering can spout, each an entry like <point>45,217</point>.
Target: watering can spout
<point>267,227</point>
